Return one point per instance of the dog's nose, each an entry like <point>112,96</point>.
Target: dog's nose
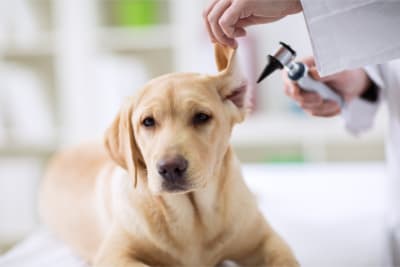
<point>172,168</point>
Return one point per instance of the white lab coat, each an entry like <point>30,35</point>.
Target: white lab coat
<point>352,33</point>
<point>356,33</point>
<point>387,77</point>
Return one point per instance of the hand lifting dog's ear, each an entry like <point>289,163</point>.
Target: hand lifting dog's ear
<point>231,85</point>
<point>121,144</point>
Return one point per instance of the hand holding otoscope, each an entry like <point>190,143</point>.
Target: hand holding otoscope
<point>311,102</point>
<point>298,72</point>
<point>314,94</point>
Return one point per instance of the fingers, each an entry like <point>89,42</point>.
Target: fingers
<point>254,20</point>
<point>312,71</point>
<point>306,100</point>
<point>309,61</point>
<point>229,19</point>
<point>222,17</point>
<point>212,17</point>
<point>206,12</point>
<point>311,102</point>
<point>326,109</point>
<point>225,21</point>
<point>239,32</point>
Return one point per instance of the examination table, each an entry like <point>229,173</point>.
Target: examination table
<point>331,214</point>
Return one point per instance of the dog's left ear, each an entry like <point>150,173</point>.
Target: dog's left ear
<point>121,144</point>
<point>231,84</point>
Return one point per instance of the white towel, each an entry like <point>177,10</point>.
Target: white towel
<point>41,249</point>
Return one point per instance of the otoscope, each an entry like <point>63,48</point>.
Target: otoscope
<point>298,72</point>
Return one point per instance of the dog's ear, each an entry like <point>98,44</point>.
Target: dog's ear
<point>121,144</point>
<point>231,84</point>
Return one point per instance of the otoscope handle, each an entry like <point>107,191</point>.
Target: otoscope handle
<point>307,83</point>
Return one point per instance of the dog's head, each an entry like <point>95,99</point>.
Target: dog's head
<point>176,130</point>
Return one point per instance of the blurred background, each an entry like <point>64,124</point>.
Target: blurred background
<point>65,67</point>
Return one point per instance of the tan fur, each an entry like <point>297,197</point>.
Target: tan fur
<point>109,204</point>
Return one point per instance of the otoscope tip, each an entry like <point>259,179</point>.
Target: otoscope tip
<point>273,64</point>
<point>262,77</point>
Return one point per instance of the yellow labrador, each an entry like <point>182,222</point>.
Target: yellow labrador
<point>167,190</point>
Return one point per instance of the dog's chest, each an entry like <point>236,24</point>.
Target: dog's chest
<point>189,230</point>
<point>207,246</point>
<point>190,233</point>
<point>200,233</point>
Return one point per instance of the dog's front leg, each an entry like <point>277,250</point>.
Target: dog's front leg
<point>271,251</point>
<point>115,251</point>
<point>276,253</point>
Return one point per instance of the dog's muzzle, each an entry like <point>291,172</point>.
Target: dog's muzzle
<point>173,171</point>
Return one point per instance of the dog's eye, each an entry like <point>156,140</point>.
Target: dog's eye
<point>201,118</point>
<point>149,122</point>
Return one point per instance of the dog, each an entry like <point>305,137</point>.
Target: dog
<point>166,189</point>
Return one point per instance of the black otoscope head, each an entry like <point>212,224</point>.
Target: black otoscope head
<point>272,65</point>
<point>281,58</point>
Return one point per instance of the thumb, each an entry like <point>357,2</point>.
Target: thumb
<point>312,70</point>
<point>314,73</point>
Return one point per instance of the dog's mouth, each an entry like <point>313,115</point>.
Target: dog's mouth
<point>176,186</point>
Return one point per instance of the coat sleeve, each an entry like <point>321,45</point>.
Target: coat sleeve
<point>359,114</point>
<point>347,34</point>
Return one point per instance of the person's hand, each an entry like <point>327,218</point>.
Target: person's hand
<point>349,84</point>
<point>226,19</point>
